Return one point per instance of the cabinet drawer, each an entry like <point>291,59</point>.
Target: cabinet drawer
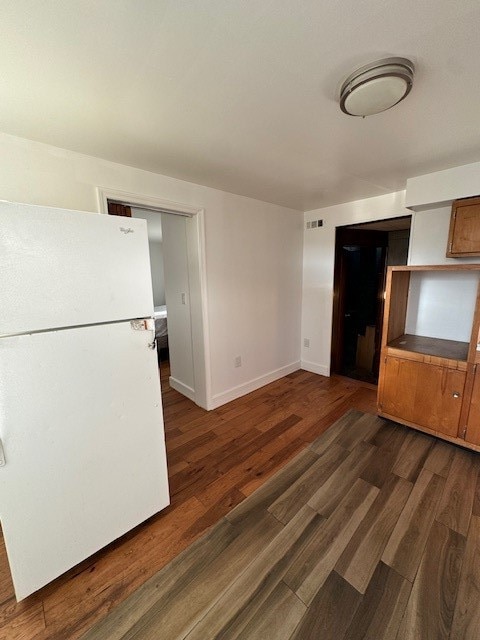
<point>423,394</point>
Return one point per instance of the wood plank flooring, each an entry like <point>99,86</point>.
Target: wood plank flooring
<point>368,531</point>
<point>215,459</point>
<point>332,547</point>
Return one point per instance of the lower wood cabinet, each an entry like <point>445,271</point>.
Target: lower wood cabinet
<point>472,434</point>
<point>431,350</point>
<point>423,394</point>
<point>430,359</point>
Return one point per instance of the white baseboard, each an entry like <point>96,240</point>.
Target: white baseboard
<point>182,388</point>
<point>313,367</point>
<point>242,389</point>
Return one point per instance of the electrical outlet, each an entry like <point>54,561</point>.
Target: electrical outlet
<point>306,342</point>
<point>238,361</point>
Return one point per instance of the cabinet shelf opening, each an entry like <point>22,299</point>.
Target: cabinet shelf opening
<point>439,347</point>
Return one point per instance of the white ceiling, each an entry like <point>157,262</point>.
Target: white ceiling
<point>241,94</point>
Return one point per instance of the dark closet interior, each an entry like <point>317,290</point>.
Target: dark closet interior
<point>362,254</point>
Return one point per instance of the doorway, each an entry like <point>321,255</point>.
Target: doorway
<point>362,254</point>
<point>189,372</point>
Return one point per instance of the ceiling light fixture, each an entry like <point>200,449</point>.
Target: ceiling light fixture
<point>376,87</point>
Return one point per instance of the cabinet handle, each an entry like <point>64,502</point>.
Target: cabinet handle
<point>455,394</point>
<point>2,455</point>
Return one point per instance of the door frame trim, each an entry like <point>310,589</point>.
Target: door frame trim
<point>197,273</point>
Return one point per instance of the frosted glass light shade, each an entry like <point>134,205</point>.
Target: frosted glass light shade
<point>376,87</point>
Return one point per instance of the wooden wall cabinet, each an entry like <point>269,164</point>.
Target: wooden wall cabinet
<point>431,383</point>
<point>464,234</point>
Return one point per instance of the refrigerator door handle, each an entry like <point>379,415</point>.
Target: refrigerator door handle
<point>147,324</point>
<point>150,326</point>
<point>2,455</point>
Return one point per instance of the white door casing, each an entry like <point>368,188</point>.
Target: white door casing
<point>197,275</point>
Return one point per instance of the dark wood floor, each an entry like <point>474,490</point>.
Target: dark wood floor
<point>372,532</point>
<point>215,460</point>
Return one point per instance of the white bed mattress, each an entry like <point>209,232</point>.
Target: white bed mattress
<point>160,312</point>
<point>161,328</point>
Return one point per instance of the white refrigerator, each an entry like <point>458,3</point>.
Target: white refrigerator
<point>82,448</point>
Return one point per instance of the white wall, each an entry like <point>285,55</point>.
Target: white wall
<point>433,190</point>
<point>253,254</point>
<point>428,244</point>
<point>435,300</point>
<point>255,273</point>
<point>319,257</point>
<point>158,276</point>
<point>154,230</point>
<point>441,304</point>
<point>428,241</point>
<point>177,293</point>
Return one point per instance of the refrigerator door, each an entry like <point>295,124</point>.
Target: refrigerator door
<point>65,268</point>
<point>83,440</point>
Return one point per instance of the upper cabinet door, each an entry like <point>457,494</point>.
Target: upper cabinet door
<point>464,234</point>
<point>65,268</point>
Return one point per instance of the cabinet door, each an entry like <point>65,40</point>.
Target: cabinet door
<point>473,422</point>
<point>424,394</point>
<point>464,236</point>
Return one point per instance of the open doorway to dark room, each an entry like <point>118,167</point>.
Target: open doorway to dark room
<point>362,254</point>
